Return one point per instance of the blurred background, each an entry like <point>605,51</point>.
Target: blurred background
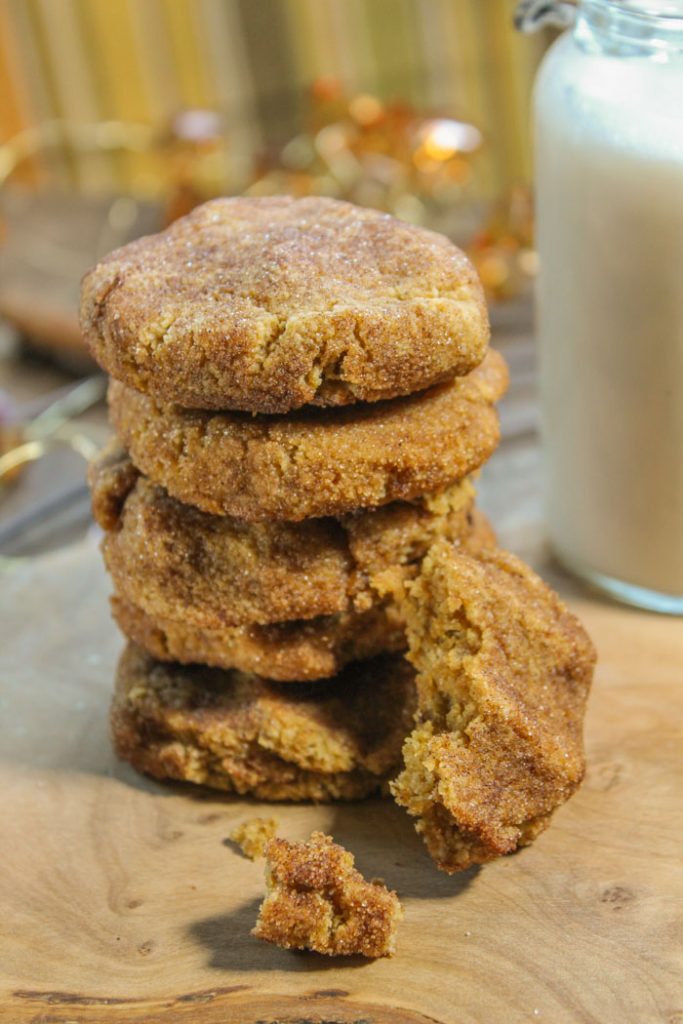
<point>116,116</point>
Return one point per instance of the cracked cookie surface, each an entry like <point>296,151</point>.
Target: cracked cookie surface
<point>503,671</point>
<point>318,900</point>
<point>291,651</point>
<point>316,462</point>
<point>233,731</point>
<point>268,304</point>
<point>177,562</point>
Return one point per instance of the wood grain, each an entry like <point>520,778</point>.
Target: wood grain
<point>123,900</point>
<point>213,1006</point>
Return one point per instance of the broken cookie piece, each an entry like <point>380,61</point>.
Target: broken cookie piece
<point>317,900</point>
<point>503,673</point>
<point>253,836</point>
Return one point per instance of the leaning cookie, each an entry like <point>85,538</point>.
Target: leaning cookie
<point>503,671</point>
<point>241,734</point>
<point>267,304</point>
<point>211,572</point>
<point>319,462</point>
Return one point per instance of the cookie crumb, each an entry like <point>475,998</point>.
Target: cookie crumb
<point>317,900</point>
<point>253,835</point>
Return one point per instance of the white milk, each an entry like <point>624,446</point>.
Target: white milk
<point>609,181</point>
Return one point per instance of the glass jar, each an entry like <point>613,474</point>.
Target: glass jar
<point>609,222</point>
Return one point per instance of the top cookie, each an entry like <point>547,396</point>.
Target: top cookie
<point>265,305</point>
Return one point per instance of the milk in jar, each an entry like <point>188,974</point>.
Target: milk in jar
<point>609,221</point>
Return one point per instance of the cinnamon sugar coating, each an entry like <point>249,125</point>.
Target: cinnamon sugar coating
<point>267,304</point>
<point>177,562</point>
<point>318,900</point>
<point>317,462</point>
<point>291,652</point>
<point>339,740</point>
<point>503,671</point>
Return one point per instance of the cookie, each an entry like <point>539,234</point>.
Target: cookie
<point>335,741</point>
<point>316,462</point>
<point>268,304</point>
<point>318,900</point>
<point>290,650</point>
<point>295,652</point>
<point>503,671</point>
<point>177,562</point>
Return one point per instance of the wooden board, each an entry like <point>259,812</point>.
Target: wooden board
<point>122,901</point>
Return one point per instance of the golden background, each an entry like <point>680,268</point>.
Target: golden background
<point>85,61</point>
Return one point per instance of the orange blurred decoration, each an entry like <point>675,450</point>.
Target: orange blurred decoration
<point>417,167</point>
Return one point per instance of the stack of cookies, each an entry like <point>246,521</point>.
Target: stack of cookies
<point>301,395</point>
<point>302,392</point>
